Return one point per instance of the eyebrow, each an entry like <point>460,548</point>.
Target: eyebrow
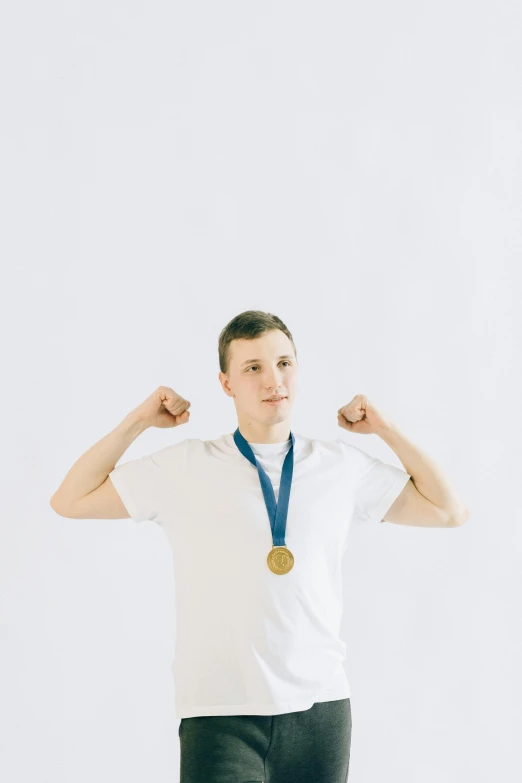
<point>249,361</point>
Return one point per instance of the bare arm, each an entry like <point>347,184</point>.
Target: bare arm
<point>433,495</point>
<point>85,492</point>
<point>429,499</point>
<point>91,470</point>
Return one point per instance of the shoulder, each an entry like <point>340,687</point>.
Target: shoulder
<point>337,448</point>
<point>350,457</point>
<point>353,454</point>
<point>192,450</point>
<point>173,455</point>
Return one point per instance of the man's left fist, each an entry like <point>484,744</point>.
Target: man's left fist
<point>361,416</point>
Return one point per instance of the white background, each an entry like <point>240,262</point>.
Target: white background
<point>354,169</point>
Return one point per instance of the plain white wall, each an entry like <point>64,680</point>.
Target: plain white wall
<point>354,169</point>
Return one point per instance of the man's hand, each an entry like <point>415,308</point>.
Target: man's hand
<point>362,417</point>
<point>164,408</point>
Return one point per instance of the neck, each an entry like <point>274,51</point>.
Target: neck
<point>257,432</point>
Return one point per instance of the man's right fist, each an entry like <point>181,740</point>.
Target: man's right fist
<point>164,408</point>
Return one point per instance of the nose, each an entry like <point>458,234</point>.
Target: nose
<point>273,381</point>
<point>275,389</point>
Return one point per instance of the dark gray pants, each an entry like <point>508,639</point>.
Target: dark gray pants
<point>309,746</point>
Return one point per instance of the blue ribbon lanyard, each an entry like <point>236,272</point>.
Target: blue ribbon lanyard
<point>277,512</point>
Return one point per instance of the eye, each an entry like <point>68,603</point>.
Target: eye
<point>285,361</point>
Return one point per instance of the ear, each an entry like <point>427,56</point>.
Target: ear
<point>223,379</point>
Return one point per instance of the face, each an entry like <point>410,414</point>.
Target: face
<point>259,369</point>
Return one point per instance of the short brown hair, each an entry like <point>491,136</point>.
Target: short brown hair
<point>248,326</point>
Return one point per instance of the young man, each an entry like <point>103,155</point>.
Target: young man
<point>258,523</point>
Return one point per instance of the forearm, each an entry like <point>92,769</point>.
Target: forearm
<point>93,467</point>
<point>430,480</point>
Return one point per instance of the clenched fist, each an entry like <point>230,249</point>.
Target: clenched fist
<point>361,416</point>
<point>164,408</point>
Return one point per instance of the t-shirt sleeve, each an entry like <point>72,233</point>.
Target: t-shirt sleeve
<point>148,486</point>
<point>376,484</point>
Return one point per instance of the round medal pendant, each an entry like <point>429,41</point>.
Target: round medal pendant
<point>280,560</point>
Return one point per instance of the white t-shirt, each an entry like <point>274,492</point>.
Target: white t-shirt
<point>249,641</point>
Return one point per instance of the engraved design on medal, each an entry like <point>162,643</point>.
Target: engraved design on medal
<point>280,560</point>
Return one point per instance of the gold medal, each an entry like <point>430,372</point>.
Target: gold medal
<point>280,560</point>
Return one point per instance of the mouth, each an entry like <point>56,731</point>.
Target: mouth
<point>278,401</point>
